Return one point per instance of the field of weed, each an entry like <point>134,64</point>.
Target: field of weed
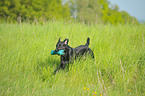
<point>26,64</point>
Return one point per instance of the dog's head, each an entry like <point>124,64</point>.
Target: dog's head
<point>62,45</point>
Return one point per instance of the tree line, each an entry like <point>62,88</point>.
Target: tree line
<point>88,11</point>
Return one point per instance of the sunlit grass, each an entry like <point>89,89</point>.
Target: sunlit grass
<point>26,65</point>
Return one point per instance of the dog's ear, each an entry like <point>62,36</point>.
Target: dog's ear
<point>59,39</point>
<point>66,41</point>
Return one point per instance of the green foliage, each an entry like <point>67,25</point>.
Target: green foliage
<point>26,65</point>
<point>88,11</point>
<point>98,11</point>
<point>114,16</point>
<point>32,9</point>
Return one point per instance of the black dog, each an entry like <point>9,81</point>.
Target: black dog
<point>71,53</point>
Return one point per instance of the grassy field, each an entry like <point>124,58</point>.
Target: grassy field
<point>26,64</point>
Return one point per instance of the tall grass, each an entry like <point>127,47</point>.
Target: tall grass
<point>26,64</point>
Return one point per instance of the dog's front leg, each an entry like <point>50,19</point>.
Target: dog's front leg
<point>58,66</point>
<point>62,65</point>
<point>57,69</point>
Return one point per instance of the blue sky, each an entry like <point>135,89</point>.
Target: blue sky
<point>133,7</point>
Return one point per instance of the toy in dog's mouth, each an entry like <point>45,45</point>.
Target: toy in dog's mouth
<point>60,52</point>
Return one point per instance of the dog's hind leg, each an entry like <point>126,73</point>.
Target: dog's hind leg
<point>90,52</point>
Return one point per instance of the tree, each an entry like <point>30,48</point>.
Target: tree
<point>34,9</point>
<point>86,10</point>
<point>93,11</point>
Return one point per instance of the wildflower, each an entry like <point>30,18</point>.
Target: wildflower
<point>84,87</point>
<point>94,95</point>
<point>87,88</point>
<point>129,90</point>
<point>92,92</point>
<point>100,94</point>
<point>95,92</point>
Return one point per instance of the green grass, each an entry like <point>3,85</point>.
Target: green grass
<point>25,60</point>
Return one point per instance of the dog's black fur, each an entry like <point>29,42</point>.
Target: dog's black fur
<point>71,53</point>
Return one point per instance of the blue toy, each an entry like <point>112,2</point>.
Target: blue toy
<point>60,52</point>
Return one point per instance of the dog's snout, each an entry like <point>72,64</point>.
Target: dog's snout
<point>56,50</point>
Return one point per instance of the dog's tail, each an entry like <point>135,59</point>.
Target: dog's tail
<point>88,42</point>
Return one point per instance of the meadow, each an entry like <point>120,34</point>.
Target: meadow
<point>26,65</point>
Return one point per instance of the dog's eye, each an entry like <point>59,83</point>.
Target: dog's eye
<point>59,45</point>
<point>64,45</point>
